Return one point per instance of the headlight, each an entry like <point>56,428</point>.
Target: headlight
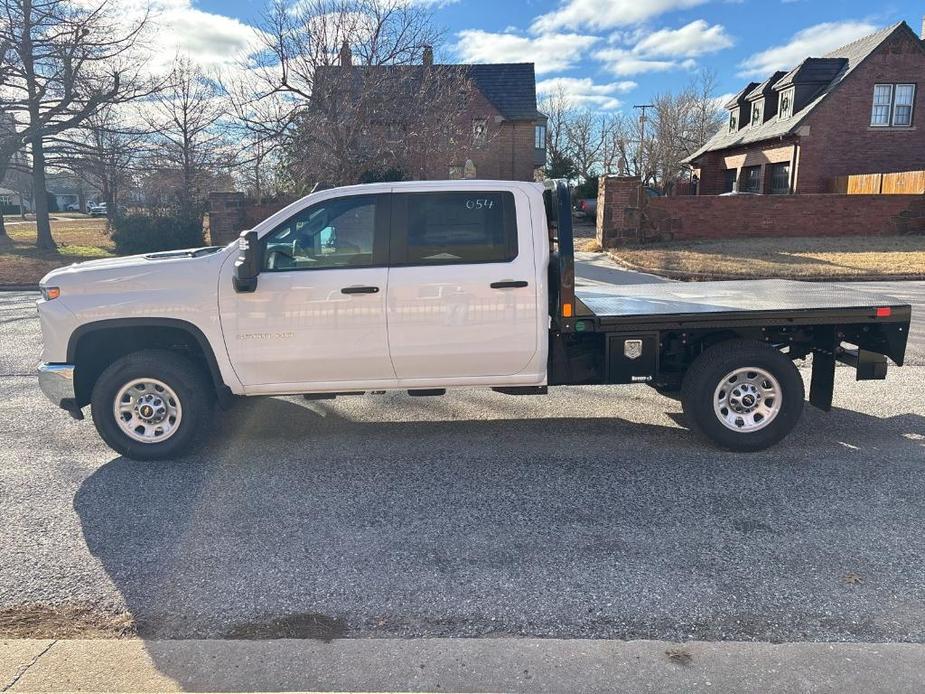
<point>49,293</point>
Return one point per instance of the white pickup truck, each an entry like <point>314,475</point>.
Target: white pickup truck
<point>424,287</point>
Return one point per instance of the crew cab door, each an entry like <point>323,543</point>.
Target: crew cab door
<point>317,317</point>
<point>462,300</point>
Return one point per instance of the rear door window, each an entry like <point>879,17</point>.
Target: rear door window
<point>448,228</point>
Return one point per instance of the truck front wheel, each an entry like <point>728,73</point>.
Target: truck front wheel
<point>743,395</point>
<point>151,404</point>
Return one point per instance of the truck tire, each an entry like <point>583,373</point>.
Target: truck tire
<point>743,395</point>
<point>152,404</point>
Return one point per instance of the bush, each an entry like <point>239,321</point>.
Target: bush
<point>138,233</point>
<point>389,175</point>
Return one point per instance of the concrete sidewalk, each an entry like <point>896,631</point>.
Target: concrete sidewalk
<point>458,665</point>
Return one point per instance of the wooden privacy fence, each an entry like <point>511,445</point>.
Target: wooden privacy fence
<point>897,183</point>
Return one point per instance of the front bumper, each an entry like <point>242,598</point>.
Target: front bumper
<point>57,382</point>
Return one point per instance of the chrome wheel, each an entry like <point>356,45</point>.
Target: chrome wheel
<point>747,399</point>
<point>147,410</point>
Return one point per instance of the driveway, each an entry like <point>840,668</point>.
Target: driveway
<point>592,513</point>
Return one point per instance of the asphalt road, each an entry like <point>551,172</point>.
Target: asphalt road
<point>591,512</point>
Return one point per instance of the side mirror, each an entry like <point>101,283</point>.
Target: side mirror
<point>249,262</point>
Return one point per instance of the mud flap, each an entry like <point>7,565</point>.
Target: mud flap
<point>822,385</point>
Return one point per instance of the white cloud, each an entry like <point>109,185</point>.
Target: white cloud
<point>177,28</point>
<point>696,38</point>
<point>549,52</point>
<point>623,63</point>
<point>583,92</point>
<point>662,50</point>
<point>813,41</point>
<point>606,14</point>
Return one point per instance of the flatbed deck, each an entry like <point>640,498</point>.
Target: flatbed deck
<point>738,302</point>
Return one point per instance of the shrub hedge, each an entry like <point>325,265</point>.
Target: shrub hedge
<point>138,233</point>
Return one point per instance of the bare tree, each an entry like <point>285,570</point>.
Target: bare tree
<point>684,121</point>
<point>559,112</point>
<point>63,61</point>
<point>585,136</point>
<point>189,145</point>
<point>271,90</point>
<point>108,149</point>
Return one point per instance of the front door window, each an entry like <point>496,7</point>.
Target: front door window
<point>333,233</point>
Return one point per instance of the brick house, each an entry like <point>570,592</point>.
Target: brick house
<point>853,111</point>
<point>505,134</point>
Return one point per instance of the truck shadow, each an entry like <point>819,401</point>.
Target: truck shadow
<point>300,523</point>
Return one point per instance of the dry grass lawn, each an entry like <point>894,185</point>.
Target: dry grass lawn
<point>78,239</point>
<point>797,258</point>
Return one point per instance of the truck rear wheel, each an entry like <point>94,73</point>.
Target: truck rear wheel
<point>151,404</point>
<point>743,395</point>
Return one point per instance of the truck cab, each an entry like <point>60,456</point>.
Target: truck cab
<point>424,287</point>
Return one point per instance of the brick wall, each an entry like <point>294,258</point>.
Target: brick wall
<point>507,154</point>
<point>686,218</point>
<point>230,214</point>
<point>225,210</point>
<point>618,206</point>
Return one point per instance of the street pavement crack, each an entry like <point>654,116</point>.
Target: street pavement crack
<point>19,675</point>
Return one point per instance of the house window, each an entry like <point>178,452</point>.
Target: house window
<point>729,180</point>
<point>892,105</point>
<point>756,114</point>
<point>5,200</point>
<point>786,104</point>
<point>751,180</point>
<point>479,126</point>
<point>902,104</point>
<point>780,178</point>
<point>539,137</point>
<point>733,122</point>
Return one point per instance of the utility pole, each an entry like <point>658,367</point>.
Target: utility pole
<point>642,137</point>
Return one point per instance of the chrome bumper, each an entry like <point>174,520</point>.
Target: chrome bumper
<point>57,382</point>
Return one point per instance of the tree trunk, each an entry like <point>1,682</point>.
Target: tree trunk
<point>44,238</point>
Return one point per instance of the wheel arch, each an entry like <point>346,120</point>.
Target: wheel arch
<point>93,346</point>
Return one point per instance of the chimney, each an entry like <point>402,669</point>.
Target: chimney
<point>428,56</point>
<point>346,56</point>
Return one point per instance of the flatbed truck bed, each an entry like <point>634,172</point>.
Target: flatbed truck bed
<point>736,302</point>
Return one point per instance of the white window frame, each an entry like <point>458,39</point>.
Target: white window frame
<point>539,136</point>
<point>891,106</point>
<point>911,105</point>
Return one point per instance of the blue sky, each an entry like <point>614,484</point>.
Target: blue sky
<point>611,54</point>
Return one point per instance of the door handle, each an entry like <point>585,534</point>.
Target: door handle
<point>509,284</point>
<point>360,290</point>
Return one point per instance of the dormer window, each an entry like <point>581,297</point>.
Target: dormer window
<point>756,114</point>
<point>785,110</point>
<point>733,122</point>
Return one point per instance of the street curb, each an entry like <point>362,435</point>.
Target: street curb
<point>458,665</point>
<point>19,287</point>
<point>686,276</point>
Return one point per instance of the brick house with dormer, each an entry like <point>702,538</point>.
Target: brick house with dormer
<point>859,109</point>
